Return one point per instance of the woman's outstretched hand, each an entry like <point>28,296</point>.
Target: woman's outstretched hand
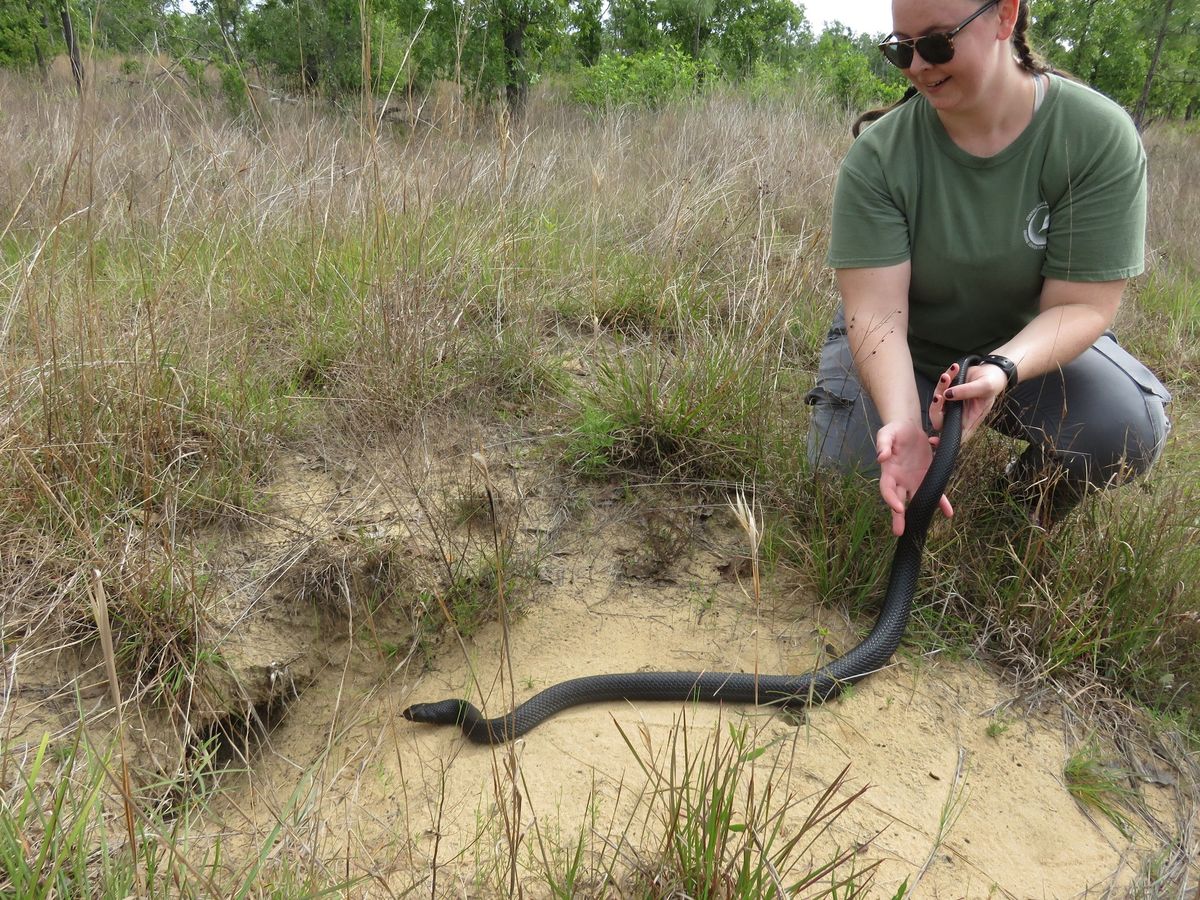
<point>904,454</point>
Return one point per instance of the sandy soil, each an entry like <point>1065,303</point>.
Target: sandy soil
<point>949,806</point>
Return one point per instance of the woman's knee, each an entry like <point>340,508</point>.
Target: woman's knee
<point>1102,416</point>
<point>1131,448</point>
<point>1105,453</point>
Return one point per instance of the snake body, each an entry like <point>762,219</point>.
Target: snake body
<point>739,687</point>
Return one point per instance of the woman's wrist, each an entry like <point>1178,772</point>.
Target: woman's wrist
<point>1006,366</point>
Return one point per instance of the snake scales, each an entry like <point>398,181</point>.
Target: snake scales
<point>738,687</point>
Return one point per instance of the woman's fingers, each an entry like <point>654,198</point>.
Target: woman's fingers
<point>972,390</point>
<point>978,396</point>
<point>937,408</point>
<point>893,495</point>
<point>898,512</point>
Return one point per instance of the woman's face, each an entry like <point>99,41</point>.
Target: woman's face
<point>963,82</point>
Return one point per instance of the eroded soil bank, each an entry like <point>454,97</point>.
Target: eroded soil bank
<point>961,773</point>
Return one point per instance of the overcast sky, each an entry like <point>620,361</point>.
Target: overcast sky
<point>871,16</point>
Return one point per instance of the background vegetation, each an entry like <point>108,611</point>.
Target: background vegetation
<point>225,249</point>
<point>1144,53</point>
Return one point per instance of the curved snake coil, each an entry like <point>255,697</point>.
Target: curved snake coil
<point>738,687</point>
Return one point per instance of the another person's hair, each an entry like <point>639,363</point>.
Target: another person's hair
<point>1030,61</point>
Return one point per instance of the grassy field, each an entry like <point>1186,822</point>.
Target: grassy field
<point>186,300</point>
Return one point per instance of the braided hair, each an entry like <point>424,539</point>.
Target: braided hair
<point>1030,61</point>
<point>1027,58</point>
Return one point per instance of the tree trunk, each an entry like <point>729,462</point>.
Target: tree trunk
<point>1077,53</point>
<point>516,88</point>
<point>39,55</point>
<point>1139,112</point>
<point>227,13</point>
<point>64,9</point>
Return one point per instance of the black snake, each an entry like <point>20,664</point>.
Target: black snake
<point>739,687</point>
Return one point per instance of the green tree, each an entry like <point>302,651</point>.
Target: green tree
<point>1142,53</point>
<point>736,34</point>
<point>128,26</point>
<point>641,79</point>
<point>489,46</point>
<point>31,31</point>
<point>1148,83</point>
<point>587,30</point>
<point>1171,86</point>
<point>26,36</point>
<point>745,32</point>
<point>317,41</point>
<point>688,23</point>
<point>227,17</point>
<point>633,26</point>
<point>66,15</point>
<point>516,34</point>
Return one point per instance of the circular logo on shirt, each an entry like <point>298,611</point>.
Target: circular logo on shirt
<point>1037,226</point>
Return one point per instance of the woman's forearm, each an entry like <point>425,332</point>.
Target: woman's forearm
<point>1073,316</point>
<point>876,303</point>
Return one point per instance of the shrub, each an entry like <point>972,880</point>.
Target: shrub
<point>194,69</point>
<point>233,89</point>
<point>844,68</point>
<point>769,81</point>
<point>644,79</point>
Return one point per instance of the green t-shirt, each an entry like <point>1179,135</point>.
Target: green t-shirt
<point>1066,200</point>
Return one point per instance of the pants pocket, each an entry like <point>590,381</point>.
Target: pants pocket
<point>1133,367</point>
<point>820,396</point>
<point>840,437</point>
<point>1155,392</point>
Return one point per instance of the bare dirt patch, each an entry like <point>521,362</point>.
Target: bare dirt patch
<point>965,794</point>
<point>334,618</point>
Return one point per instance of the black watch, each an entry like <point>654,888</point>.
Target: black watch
<point>1005,365</point>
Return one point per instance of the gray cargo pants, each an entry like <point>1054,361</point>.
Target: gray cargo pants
<point>1096,422</point>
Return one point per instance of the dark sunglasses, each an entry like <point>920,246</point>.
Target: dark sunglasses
<point>935,48</point>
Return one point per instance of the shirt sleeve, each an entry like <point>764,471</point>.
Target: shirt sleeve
<point>868,227</point>
<point>1097,228</point>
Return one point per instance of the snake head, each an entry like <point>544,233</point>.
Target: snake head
<point>444,712</point>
